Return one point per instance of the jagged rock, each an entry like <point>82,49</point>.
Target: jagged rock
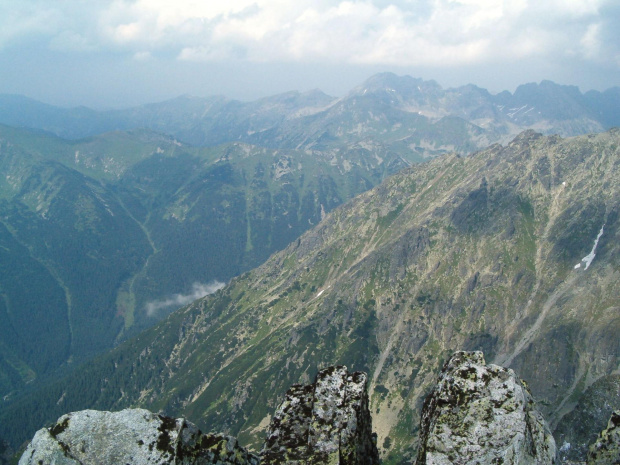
<point>325,422</point>
<point>482,414</point>
<point>606,449</point>
<point>132,436</point>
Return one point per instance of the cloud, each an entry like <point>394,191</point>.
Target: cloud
<point>439,33</point>
<point>142,56</point>
<point>178,300</point>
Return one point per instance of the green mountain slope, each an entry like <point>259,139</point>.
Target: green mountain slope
<point>102,237</point>
<point>68,243</point>
<point>479,252</point>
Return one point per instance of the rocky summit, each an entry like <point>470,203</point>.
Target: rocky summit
<point>606,449</point>
<point>482,414</point>
<point>132,436</point>
<point>324,422</point>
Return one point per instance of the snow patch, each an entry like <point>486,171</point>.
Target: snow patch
<point>588,258</point>
<point>321,292</point>
<point>513,112</point>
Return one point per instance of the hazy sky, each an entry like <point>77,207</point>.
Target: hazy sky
<point>122,52</point>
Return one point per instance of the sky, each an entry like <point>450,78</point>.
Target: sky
<point>119,53</point>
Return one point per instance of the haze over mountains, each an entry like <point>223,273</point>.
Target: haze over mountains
<point>461,252</point>
<point>392,108</point>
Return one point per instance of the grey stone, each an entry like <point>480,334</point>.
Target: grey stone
<point>327,422</point>
<point>132,436</point>
<point>482,414</point>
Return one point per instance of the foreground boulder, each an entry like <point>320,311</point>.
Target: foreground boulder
<point>325,422</point>
<point>606,449</point>
<point>132,436</point>
<point>482,414</point>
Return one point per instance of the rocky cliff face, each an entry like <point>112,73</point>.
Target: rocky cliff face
<point>606,449</point>
<point>132,436</point>
<point>325,422</point>
<point>482,414</point>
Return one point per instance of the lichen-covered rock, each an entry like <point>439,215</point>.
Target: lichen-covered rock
<point>482,414</point>
<point>606,449</point>
<point>327,422</point>
<point>132,436</point>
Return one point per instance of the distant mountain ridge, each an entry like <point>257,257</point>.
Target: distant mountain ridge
<point>314,119</point>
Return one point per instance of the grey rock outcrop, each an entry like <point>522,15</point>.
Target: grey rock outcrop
<point>606,449</point>
<point>482,414</point>
<point>327,422</point>
<point>132,436</point>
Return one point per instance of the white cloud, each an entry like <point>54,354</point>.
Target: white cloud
<point>25,20</point>
<point>178,300</point>
<point>426,33</point>
<point>142,56</point>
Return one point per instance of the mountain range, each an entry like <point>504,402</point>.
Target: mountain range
<point>416,117</point>
<point>511,250</point>
<point>105,232</point>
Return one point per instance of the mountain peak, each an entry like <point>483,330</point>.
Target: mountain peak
<point>404,85</point>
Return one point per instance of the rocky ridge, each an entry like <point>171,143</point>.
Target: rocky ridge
<point>322,423</point>
<point>476,413</point>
